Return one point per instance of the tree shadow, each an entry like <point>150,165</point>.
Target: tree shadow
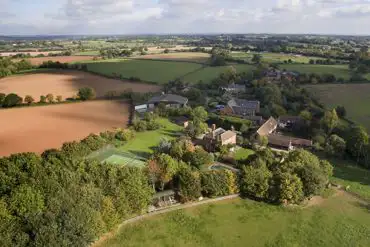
<point>362,205</point>
<point>171,133</point>
<point>351,173</point>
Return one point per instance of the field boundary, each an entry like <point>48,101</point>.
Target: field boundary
<point>167,60</point>
<point>159,212</point>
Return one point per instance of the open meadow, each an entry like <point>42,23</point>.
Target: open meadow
<point>271,57</point>
<point>147,70</point>
<point>354,97</point>
<point>340,71</point>
<point>207,74</point>
<point>340,220</point>
<point>35,129</point>
<point>32,53</point>
<point>67,83</point>
<point>61,59</point>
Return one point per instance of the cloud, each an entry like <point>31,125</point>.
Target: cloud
<point>186,16</point>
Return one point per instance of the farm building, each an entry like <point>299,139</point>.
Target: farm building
<point>268,127</point>
<point>171,100</point>
<point>288,142</point>
<point>287,122</point>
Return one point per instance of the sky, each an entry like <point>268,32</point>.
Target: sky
<point>63,17</point>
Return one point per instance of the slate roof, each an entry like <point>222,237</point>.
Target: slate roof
<point>286,141</point>
<point>268,127</point>
<point>227,135</point>
<point>242,107</point>
<point>171,98</point>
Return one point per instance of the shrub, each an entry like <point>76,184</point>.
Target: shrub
<point>59,98</point>
<point>189,185</point>
<point>125,135</point>
<point>215,183</point>
<point>94,142</point>
<point>198,157</point>
<point>29,99</point>
<point>255,181</point>
<point>50,98</point>
<point>12,100</point>
<point>290,188</point>
<point>86,93</point>
<point>42,99</point>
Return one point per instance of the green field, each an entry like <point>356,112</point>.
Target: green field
<point>270,57</point>
<point>87,53</point>
<point>147,70</point>
<point>338,221</point>
<point>144,142</point>
<point>354,97</point>
<point>207,74</point>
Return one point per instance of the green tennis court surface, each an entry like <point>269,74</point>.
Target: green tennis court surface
<point>114,156</point>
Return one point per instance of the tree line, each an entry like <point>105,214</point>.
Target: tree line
<point>13,100</point>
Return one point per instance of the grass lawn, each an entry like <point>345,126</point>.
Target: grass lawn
<point>273,57</point>
<point>354,97</point>
<point>243,153</point>
<point>147,70</point>
<point>338,221</point>
<point>207,74</point>
<point>144,142</point>
<point>347,174</point>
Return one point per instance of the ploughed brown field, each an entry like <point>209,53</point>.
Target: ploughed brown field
<point>35,129</point>
<point>62,59</point>
<point>67,83</point>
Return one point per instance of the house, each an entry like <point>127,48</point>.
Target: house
<point>218,136</point>
<point>171,100</point>
<point>268,127</point>
<point>241,107</point>
<point>235,88</point>
<point>288,142</point>
<point>254,119</point>
<point>288,122</point>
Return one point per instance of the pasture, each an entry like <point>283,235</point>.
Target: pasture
<point>147,70</point>
<point>207,74</point>
<point>340,220</point>
<point>340,71</point>
<point>197,57</point>
<point>36,129</point>
<point>354,97</point>
<point>270,57</point>
<point>66,84</point>
<point>62,59</point>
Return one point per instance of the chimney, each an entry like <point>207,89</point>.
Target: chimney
<point>213,127</point>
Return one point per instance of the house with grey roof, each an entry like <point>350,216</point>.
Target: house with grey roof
<point>241,107</point>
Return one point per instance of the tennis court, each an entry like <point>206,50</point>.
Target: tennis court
<point>112,155</point>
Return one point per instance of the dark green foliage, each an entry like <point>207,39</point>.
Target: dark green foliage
<point>86,93</point>
<point>12,100</point>
<point>94,142</point>
<point>300,174</point>
<point>227,122</point>
<point>56,201</point>
<point>214,183</point>
<point>189,185</point>
<point>198,158</point>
